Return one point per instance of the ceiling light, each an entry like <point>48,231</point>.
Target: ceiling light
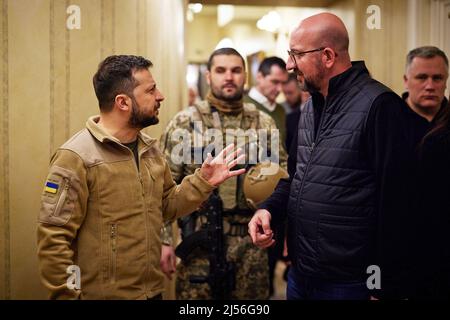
<point>225,13</point>
<point>195,7</point>
<point>270,22</point>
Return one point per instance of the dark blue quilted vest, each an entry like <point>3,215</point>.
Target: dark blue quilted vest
<point>331,211</point>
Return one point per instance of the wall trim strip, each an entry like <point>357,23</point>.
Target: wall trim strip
<point>5,134</point>
<point>68,89</point>
<point>52,76</point>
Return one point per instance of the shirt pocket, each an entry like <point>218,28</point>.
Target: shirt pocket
<point>58,197</point>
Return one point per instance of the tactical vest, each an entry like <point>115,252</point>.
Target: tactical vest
<point>331,210</point>
<point>209,118</point>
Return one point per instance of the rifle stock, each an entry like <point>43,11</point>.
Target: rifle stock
<point>189,243</point>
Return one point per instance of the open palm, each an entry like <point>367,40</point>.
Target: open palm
<point>217,170</point>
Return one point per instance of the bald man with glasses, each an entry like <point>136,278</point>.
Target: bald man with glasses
<point>345,200</point>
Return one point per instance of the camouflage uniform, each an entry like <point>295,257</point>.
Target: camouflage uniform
<point>252,279</point>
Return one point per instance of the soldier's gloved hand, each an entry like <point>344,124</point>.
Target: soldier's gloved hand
<point>217,170</point>
<point>259,229</point>
<point>168,261</point>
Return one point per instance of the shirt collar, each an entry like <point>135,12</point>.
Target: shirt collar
<point>346,79</point>
<point>444,106</point>
<point>101,135</point>
<point>260,98</point>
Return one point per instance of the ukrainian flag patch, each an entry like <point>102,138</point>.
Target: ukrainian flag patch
<point>51,187</point>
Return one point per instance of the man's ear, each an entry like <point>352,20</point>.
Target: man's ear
<point>208,77</point>
<point>329,57</point>
<point>405,81</point>
<point>123,102</point>
<point>259,77</point>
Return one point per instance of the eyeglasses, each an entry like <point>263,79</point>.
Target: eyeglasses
<point>293,53</point>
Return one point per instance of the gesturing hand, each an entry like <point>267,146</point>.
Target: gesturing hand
<point>217,170</point>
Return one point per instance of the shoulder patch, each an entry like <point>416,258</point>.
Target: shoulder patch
<point>58,199</point>
<point>51,187</point>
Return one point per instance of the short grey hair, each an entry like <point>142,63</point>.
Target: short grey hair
<point>426,52</point>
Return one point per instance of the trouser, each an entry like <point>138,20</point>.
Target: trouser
<point>306,288</point>
<point>276,253</point>
<point>252,274</point>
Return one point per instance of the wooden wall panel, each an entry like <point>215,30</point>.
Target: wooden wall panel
<point>126,20</point>
<point>384,49</point>
<point>84,57</point>
<point>165,48</point>
<point>4,155</point>
<point>29,89</point>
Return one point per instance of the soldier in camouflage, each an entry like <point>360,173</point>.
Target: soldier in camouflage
<point>241,123</point>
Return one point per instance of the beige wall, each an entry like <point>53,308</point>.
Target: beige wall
<point>4,236</point>
<point>385,49</point>
<point>419,14</point>
<point>246,35</point>
<point>4,146</point>
<point>47,94</point>
<point>203,34</point>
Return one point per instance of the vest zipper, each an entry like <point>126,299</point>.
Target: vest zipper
<point>113,266</point>
<point>62,198</point>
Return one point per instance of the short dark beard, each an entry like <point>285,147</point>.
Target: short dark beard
<point>234,98</point>
<point>312,85</point>
<point>309,86</point>
<point>139,120</point>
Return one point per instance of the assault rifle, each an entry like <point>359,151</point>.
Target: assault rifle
<point>221,277</point>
